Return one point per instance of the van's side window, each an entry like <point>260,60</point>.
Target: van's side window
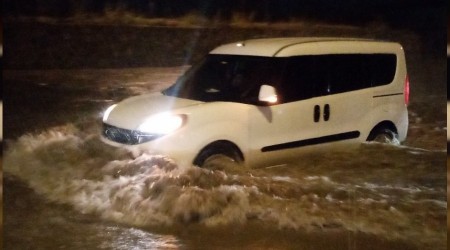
<point>300,79</point>
<point>382,67</point>
<point>317,75</point>
<point>346,72</point>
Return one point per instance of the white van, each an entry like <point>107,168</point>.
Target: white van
<point>262,101</point>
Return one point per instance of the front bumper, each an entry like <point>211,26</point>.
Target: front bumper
<point>175,146</point>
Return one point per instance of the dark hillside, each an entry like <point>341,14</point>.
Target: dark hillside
<point>32,45</point>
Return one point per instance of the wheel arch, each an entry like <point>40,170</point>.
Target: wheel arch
<point>380,126</point>
<point>225,147</point>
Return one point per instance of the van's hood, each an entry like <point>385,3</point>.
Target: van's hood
<point>131,112</point>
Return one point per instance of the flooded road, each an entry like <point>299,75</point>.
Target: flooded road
<point>64,189</point>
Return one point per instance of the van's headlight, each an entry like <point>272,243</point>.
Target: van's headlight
<point>162,123</point>
<point>107,112</point>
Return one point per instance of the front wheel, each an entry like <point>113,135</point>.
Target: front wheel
<point>219,155</point>
<point>220,162</point>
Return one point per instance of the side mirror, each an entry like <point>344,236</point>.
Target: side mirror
<point>267,94</point>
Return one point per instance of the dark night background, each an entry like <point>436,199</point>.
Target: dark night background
<point>399,12</point>
<point>31,44</point>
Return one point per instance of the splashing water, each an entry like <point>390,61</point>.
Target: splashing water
<point>392,191</point>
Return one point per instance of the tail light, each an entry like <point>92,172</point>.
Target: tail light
<point>406,90</point>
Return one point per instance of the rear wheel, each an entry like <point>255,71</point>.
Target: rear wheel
<point>384,135</point>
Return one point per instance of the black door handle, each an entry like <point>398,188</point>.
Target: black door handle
<point>326,112</point>
<point>316,113</point>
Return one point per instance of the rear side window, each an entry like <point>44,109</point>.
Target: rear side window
<point>382,68</point>
<point>316,75</point>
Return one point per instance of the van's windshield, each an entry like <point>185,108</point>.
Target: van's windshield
<point>229,78</point>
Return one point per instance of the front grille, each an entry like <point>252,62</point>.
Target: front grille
<point>125,136</point>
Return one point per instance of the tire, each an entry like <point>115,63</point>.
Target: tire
<point>219,155</point>
<point>384,135</point>
<point>219,162</point>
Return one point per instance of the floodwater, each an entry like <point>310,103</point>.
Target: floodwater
<point>65,189</point>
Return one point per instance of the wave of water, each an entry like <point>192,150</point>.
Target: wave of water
<point>392,191</point>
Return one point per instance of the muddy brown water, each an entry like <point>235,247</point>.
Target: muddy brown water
<point>64,189</point>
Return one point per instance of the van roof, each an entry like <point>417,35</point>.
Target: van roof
<point>272,46</point>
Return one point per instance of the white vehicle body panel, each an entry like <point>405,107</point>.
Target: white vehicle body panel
<point>271,133</point>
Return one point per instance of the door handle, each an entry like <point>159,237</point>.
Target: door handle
<point>326,112</point>
<point>316,113</point>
